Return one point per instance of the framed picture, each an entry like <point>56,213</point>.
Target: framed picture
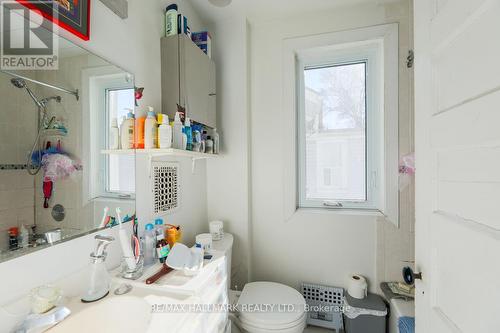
<point>72,15</point>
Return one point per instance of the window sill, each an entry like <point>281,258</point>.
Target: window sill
<point>341,211</point>
<point>113,199</point>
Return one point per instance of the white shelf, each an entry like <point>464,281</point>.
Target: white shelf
<point>159,152</point>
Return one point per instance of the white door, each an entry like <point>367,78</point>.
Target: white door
<point>457,94</point>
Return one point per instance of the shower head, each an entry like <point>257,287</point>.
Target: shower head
<point>20,83</point>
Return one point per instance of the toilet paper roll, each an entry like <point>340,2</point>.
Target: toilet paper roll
<point>357,287</point>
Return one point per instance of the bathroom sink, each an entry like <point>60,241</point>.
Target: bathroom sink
<point>115,314</point>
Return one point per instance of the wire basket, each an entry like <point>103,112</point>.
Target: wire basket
<point>325,305</point>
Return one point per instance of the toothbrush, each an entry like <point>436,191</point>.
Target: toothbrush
<point>104,216</point>
<point>125,243</point>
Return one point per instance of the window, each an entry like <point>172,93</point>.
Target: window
<point>119,169</point>
<point>335,132</point>
<point>340,98</point>
<point>340,126</point>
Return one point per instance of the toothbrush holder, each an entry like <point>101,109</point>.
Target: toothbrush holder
<point>132,274</point>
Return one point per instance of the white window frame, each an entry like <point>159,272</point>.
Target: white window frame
<point>95,82</point>
<point>295,49</point>
<point>369,54</point>
<point>105,191</point>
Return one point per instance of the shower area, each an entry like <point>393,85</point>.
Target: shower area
<point>39,160</point>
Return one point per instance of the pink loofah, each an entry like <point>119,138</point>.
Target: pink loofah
<point>57,166</point>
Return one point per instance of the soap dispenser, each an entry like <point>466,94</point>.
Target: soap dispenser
<point>99,280</point>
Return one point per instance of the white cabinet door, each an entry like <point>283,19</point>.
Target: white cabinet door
<point>195,68</point>
<point>457,93</point>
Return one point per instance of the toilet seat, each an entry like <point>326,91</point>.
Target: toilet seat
<point>271,307</point>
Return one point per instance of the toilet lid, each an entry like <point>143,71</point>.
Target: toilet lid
<point>270,304</point>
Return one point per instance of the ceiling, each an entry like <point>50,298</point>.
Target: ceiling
<point>267,9</point>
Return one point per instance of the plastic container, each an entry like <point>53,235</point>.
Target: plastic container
<point>189,134</point>
<point>114,135</point>
<point>149,245</point>
<point>164,133</point>
<point>365,315</point>
<point>150,130</point>
<point>171,20</point>
<point>139,132</point>
<point>177,132</point>
<point>159,227</point>
<point>216,228</point>
<point>127,131</point>
<point>209,145</point>
<point>205,240</point>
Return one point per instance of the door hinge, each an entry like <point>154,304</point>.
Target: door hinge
<point>410,59</point>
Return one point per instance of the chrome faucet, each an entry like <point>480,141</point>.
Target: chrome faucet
<point>98,275</point>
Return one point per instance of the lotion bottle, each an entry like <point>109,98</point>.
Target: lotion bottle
<point>127,131</point>
<point>164,133</point>
<point>150,130</point>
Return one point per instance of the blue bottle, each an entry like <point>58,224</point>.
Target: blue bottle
<point>189,134</point>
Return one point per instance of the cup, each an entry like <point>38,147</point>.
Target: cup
<point>132,274</point>
<point>205,240</point>
<point>216,229</point>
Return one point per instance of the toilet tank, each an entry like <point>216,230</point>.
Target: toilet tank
<point>225,245</point>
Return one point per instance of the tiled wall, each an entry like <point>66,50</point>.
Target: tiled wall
<point>18,116</point>
<point>67,192</point>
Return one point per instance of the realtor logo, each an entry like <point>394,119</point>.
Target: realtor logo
<point>27,41</point>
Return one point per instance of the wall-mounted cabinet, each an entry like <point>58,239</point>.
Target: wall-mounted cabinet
<point>187,79</point>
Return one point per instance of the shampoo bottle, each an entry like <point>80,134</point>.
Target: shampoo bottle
<point>127,131</point>
<point>114,135</point>
<point>177,132</point>
<point>150,130</point>
<point>139,132</point>
<point>171,20</point>
<point>164,133</point>
<point>188,133</point>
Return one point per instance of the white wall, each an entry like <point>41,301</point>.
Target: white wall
<point>315,246</point>
<point>228,181</point>
<point>134,45</point>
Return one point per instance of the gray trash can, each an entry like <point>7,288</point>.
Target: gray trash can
<point>366,315</point>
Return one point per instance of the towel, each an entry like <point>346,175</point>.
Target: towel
<point>406,325</point>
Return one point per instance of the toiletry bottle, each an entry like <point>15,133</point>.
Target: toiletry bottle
<point>189,134</point>
<point>162,247</point>
<point>177,132</point>
<point>209,145</point>
<point>159,227</point>
<point>150,130</point>
<point>127,131</point>
<point>24,236</point>
<point>139,132</point>
<point>171,20</point>
<point>114,135</point>
<point>149,245</point>
<point>164,133</point>
<point>216,141</point>
<point>13,241</point>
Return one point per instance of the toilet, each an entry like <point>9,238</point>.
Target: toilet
<point>263,307</point>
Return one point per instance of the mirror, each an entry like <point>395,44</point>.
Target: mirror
<point>57,174</point>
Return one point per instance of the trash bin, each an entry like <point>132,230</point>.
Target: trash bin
<point>365,315</point>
